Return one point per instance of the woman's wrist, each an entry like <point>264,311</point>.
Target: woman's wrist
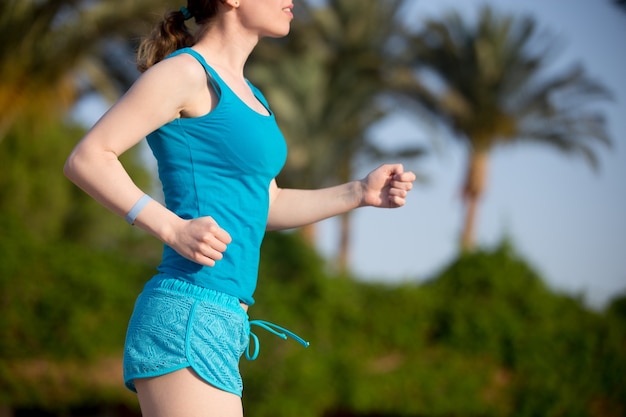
<point>159,222</point>
<point>132,214</point>
<point>360,191</point>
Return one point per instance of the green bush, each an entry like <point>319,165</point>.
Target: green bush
<point>485,338</point>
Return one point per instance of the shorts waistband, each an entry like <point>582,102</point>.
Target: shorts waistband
<point>176,285</point>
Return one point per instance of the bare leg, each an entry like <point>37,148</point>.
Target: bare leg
<point>184,394</point>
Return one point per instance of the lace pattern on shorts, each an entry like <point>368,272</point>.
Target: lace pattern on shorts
<point>171,329</point>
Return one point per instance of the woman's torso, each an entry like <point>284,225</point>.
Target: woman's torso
<point>221,165</point>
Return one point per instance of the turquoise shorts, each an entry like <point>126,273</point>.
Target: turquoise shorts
<point>176,325</point>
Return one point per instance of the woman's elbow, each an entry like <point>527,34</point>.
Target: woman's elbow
<point>70,169</point>
<point>78,164</point>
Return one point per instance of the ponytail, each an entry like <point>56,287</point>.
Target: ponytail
<point>172,33</point>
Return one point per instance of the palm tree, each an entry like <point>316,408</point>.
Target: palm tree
<point>326,82</point>
<point>490,84</point>
<point>53,51</point>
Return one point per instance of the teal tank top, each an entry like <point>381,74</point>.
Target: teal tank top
<point>220,165</point>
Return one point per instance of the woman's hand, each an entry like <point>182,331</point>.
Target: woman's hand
<point>201,240</point>
<point>387,186</point>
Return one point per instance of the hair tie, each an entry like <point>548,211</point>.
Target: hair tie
<point>186,13</point>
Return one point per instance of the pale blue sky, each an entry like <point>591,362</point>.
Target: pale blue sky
<point>566,220</point>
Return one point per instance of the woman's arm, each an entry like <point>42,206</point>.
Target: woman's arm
<point>160,95</point>
<point>386,186</point>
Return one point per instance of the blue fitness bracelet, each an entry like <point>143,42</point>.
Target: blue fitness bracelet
<point>139,205</point>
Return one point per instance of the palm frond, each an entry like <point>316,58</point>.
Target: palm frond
<point>495,84</point>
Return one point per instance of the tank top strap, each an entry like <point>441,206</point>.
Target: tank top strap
<point>259,95</point>
<point>214,78</point>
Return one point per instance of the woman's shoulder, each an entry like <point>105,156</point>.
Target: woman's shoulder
<point>171,85</point>
<point>186,66</point>
<point>181,74</point>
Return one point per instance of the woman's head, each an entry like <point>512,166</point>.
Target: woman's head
<point>172,33</point>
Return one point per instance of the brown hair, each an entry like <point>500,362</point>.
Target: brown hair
<point>172,33</point>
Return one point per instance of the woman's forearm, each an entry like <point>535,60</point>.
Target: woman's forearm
<point>295,208</point>
<point>386,187</point>
<point>101,175</point>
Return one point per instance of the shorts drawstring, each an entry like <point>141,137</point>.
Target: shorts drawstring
<point>272,328</point>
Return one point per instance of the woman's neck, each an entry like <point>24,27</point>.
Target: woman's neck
<point>226,45</point>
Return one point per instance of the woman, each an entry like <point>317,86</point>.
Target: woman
<point>218,150</point>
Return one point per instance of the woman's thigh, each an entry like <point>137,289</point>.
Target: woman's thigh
<point>184,394</point>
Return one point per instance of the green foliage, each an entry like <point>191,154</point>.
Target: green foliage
<point>484,338</point>
<point>58,313</point>
<point>64,301</point>
<point>553,348</point>
<point>64,304</point>
<point>36,197</point>
<point>68,275</point>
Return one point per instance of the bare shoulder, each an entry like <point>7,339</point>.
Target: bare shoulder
<point>176,81</point>
<point>189,64</point>
<point>183,69</point>
<point>184,80</point>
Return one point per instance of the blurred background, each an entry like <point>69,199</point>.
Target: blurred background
<point>499,290</point>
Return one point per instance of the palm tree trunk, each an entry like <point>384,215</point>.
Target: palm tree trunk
<point>344,244</point>
<point>473,190</point>
<point>308,233</point>
<point>469,226</point>
<point>345,172</point>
